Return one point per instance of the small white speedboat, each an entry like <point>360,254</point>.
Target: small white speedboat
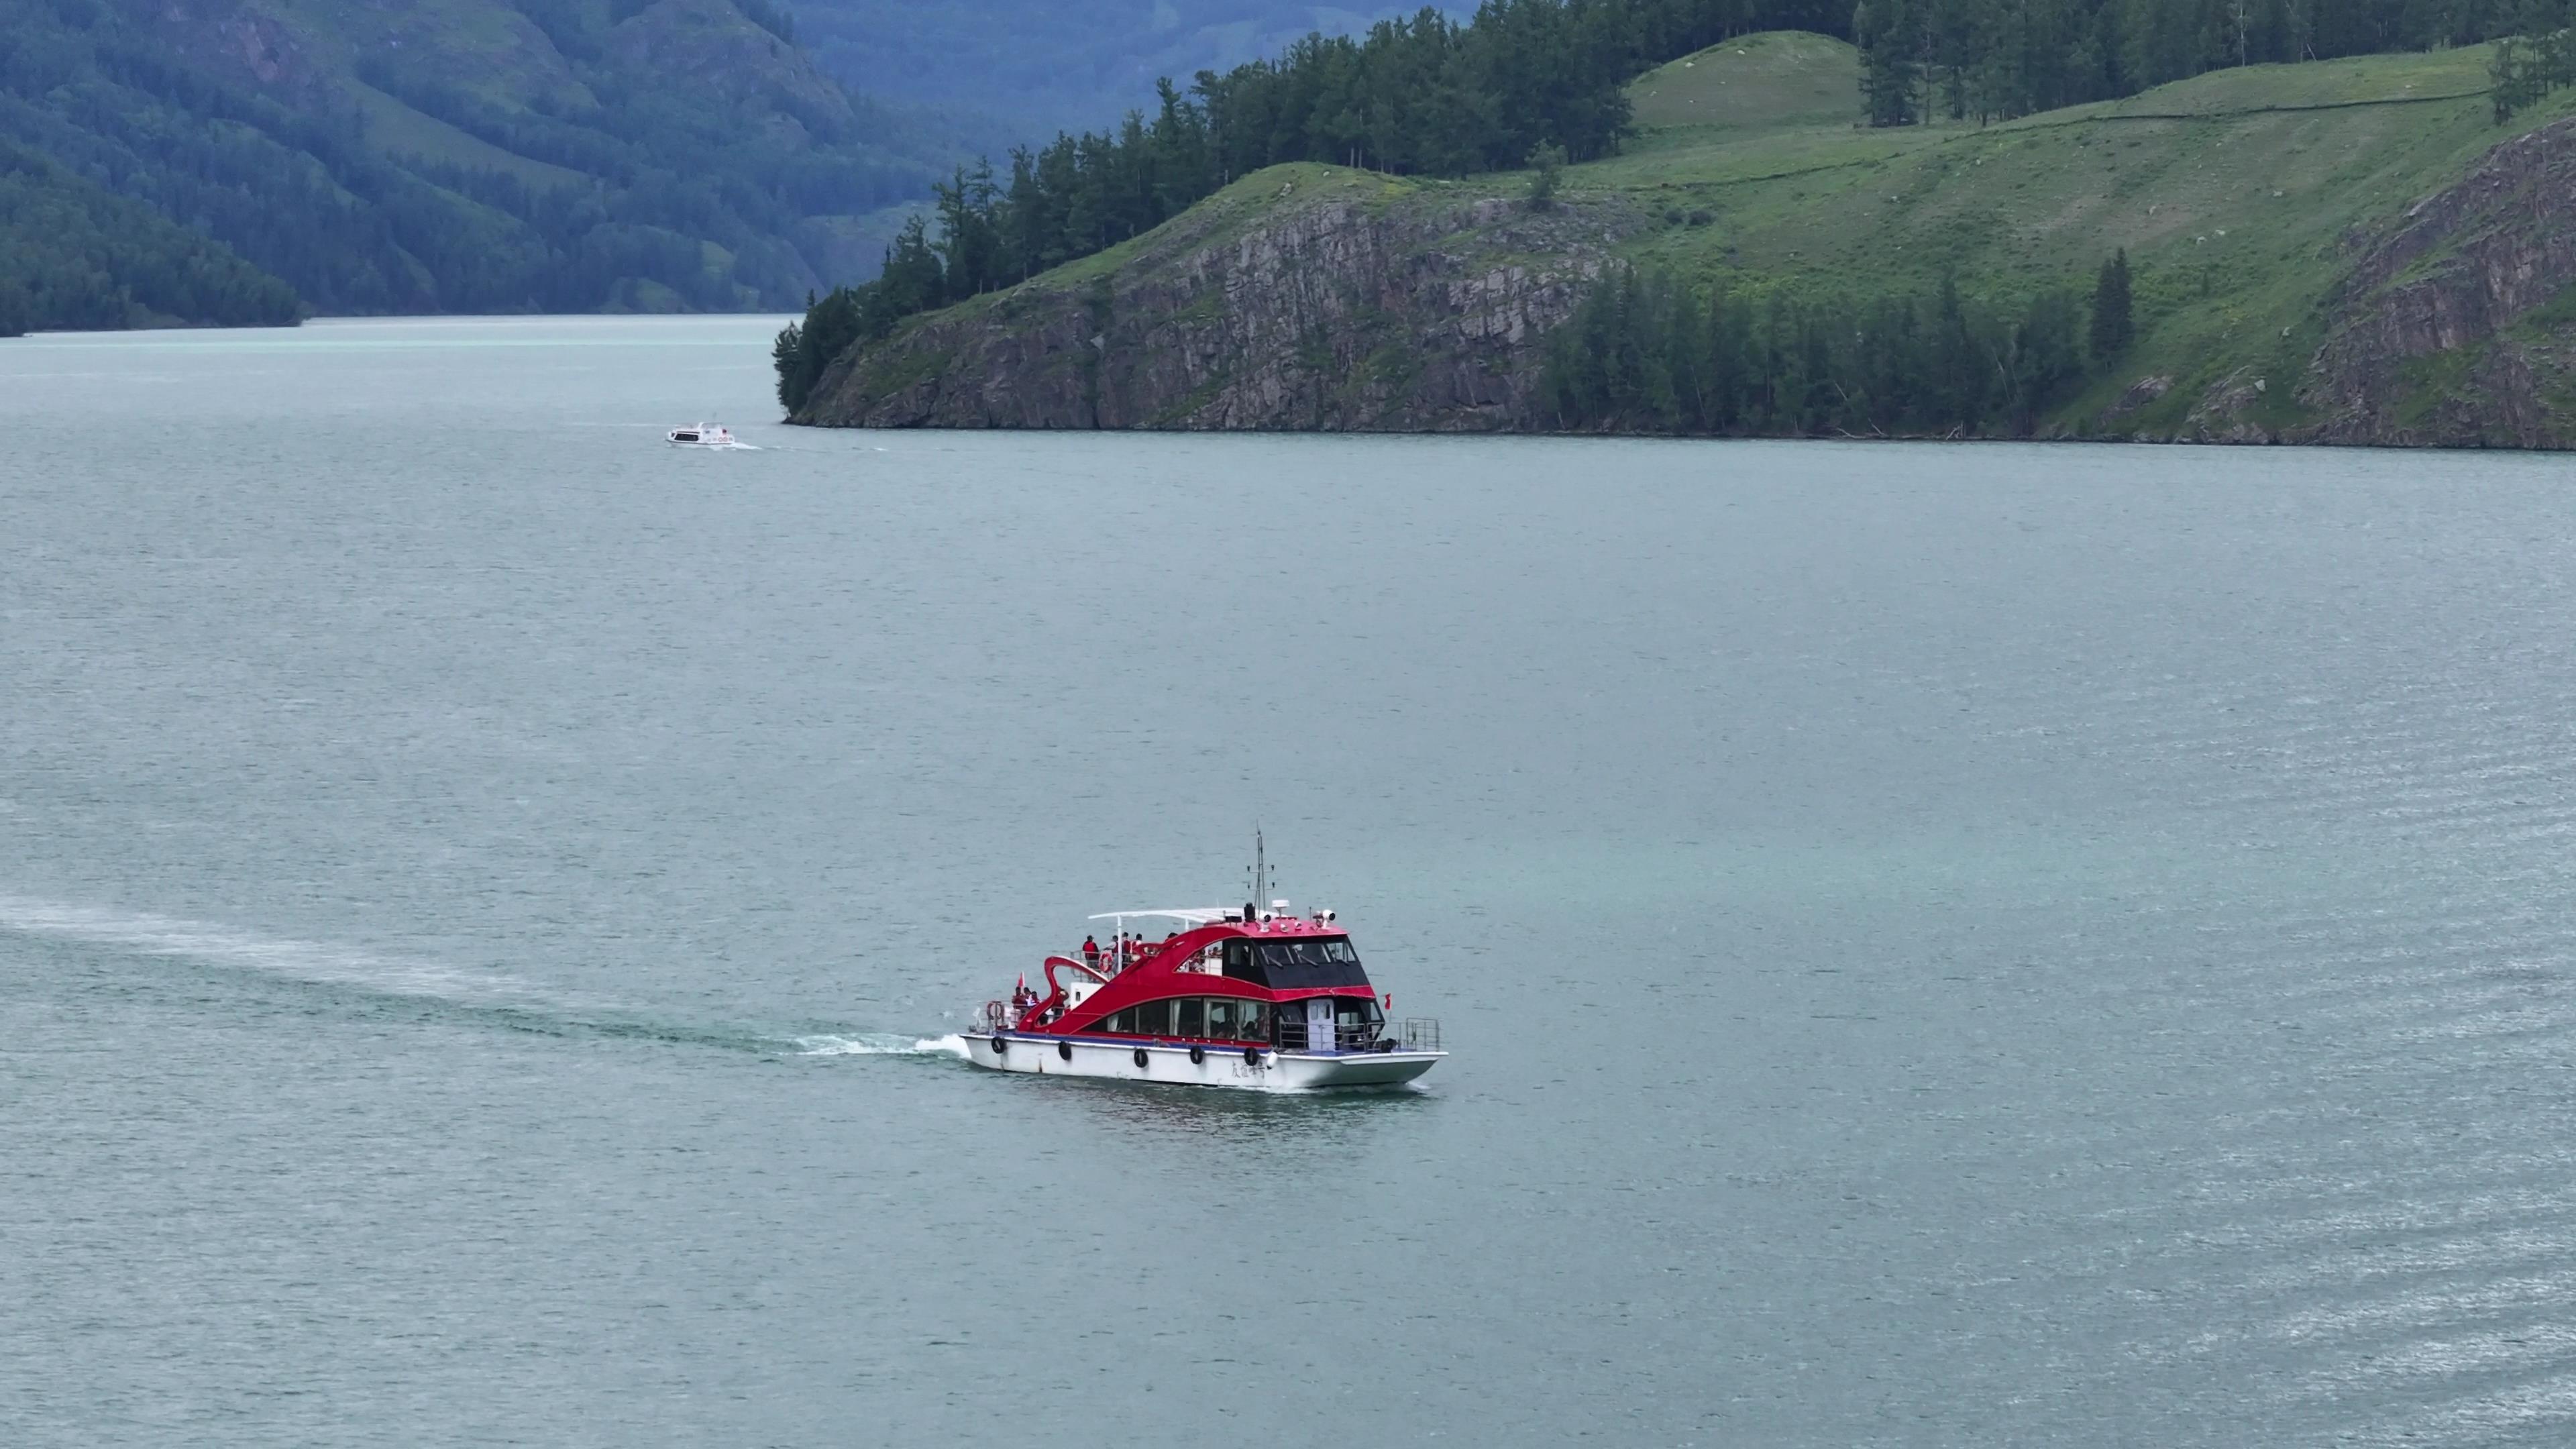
<point>701,435</point>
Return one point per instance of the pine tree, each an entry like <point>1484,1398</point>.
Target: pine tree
<point>784,355</point>
<point>1891,73</point>
<point>2114,326</point>
<point>2044,359</point>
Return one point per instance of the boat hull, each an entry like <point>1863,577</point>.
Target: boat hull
<point>1274,1071</point>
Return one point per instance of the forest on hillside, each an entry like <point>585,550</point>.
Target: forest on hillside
<point>1647,353</point>
<point>613,186</point>
<point>1037,65</point>
<point>73,256</point>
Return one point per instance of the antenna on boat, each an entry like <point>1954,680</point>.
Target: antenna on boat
<point>1261,882</point>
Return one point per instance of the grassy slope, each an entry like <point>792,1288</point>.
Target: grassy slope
<point>2230,191</point>
<point>395,127</point>
<point>1784,80</point>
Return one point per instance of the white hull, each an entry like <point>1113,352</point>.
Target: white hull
<point>1270,1071</point>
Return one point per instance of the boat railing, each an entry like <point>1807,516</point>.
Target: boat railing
<point>1413,1034</point>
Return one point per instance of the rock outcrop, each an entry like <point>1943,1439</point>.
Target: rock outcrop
<point>1302,298</point>
<point>2447,330</point>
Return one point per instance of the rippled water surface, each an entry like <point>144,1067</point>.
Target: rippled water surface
<point>1943,945</point>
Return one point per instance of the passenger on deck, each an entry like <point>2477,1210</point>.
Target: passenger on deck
<point>1090,952</point>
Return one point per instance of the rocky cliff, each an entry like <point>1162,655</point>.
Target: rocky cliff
<point>1302,297</point>
<point>2452,326</point>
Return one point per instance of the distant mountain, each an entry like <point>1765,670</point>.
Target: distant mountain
<point>477,155</point>
<point>1043,65</point>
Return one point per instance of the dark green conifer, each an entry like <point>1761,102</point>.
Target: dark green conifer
<point>2114,328</point>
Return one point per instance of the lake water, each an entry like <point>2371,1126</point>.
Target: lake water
<point>1942,945</point>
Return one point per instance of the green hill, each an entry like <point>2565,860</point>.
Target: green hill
<point>2260,208</point>
<point>474,155</point>
<point>1776,81</point>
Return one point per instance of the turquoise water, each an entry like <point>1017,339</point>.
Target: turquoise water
<point>1943,945</point>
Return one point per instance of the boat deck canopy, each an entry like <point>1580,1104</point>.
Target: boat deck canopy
<point>1195,916</point>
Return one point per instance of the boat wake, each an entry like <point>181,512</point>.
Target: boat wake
<point>882,1044</point>
<point>150,935</point>
<point>394,982</point>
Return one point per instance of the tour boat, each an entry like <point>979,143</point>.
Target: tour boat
<point>704,435</point>
<point>1252,998</point>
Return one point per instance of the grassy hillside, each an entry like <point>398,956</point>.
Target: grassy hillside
<point>1779,81</point>
<point>2230,191</point>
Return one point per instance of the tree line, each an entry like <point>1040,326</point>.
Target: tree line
<point>1644,353</point>
<point>1989,60</point>
<point>2537,58</point>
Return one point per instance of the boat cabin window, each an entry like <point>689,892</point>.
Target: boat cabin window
<point>1297,965</point>
<point>1203,1018</point>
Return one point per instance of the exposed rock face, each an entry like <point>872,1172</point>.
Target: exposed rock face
<point>1312,300</point>
<point>2435,339</point>
<point>244,44</point>
<point>2219,416</point>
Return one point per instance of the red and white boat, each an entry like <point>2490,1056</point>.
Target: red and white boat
<point>1268,1000</point>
